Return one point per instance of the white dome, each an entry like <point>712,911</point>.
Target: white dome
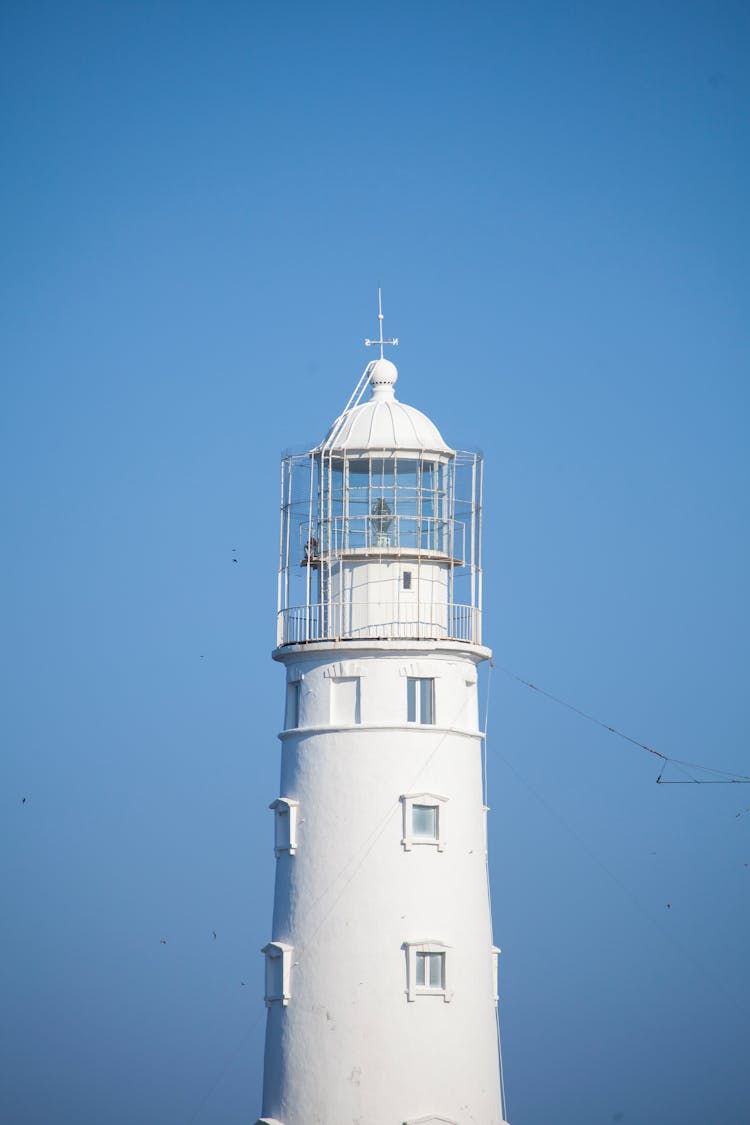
<point>384,422</point>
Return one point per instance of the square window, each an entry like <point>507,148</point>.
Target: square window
<point>420,700</point>
<point>424,822</point>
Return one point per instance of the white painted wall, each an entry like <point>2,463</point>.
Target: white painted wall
<point>370,593</point>
<point>349,1048</point>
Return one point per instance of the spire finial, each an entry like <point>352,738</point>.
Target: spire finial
<point>381,342</point>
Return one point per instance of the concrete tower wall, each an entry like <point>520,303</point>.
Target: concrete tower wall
<point>358,900</point>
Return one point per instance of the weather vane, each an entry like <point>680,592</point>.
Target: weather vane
<point>381,342</point>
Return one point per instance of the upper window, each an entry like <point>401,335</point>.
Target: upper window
<point>407,579</point>
<point>345,700</point>
<point>420,700</point>
<point>291,718</point>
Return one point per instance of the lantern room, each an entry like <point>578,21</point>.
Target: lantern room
<point>380,528</point>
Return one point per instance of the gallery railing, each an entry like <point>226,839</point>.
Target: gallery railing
<point>382,621</point>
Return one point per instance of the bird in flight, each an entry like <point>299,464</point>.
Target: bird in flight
<point>162,941</point>
<point>23,800</point>
<point>214,933</point>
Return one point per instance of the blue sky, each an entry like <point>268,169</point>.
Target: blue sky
<point>199,202</point>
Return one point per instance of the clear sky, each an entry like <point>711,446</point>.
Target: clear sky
<point>198,203</point>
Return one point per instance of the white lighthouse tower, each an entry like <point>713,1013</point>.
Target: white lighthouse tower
<point>381,975</point>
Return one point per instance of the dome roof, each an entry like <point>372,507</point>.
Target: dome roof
<point>383,422</point>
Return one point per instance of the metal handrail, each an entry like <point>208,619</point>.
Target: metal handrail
<point>303,624</point>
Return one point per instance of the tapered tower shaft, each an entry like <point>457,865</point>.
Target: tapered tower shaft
<point>381,975</point>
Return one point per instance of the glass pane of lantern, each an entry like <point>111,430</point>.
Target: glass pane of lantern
<point>407,508</point>
<point>428,505</point>
<point>359,503</point>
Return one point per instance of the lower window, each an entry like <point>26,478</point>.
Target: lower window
<point>431,970</point>
<point>278,972</point>
<point>427,969</point>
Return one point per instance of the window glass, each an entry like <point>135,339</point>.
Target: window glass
<point>407,580</point>
<point>420,696</point>
<point>281,828</point>
<point>274,975</point>
<point>411,700</point>
<point>407,503</point>
<point>430,970</point>
<point>407,474</point>
<point>382,474</point>
<point>424,822</point>
<point>383,522</point>
<point>291,719</point>
<point>436,974</point>
<point>333,538</point>
<point>426,701</point>
<point>358,503</point>
<point>428,506</point>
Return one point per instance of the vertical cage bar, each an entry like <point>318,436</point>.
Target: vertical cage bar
<point>279,580</point>
<point>451,472</point>
<point>479,555</point>
<point>472,546</point>
<point>309,550</point>
<point>287,568</point>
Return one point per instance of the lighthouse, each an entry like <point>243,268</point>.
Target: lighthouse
<point>381,971</point>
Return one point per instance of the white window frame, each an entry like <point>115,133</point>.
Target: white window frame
<point>408,839</point>
<point>293,692</point>
<point>285,808</point>
<point>357,680</point>
<point>429,965</point>
<point>418,719</point>
<point>496,951</point>
<point>278,950</point>
<point>414,990</point>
